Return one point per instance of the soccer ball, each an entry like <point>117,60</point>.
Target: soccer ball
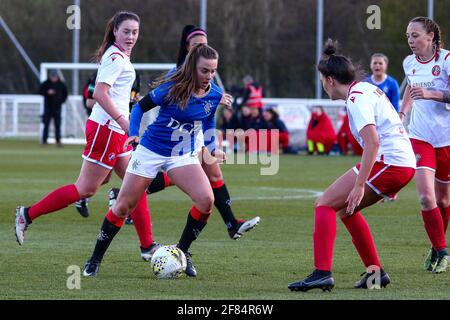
<point>168,262</point>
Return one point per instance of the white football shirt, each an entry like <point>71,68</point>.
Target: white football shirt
<point>367,104</point>
<point>430,120</point>
<point>116,70</point>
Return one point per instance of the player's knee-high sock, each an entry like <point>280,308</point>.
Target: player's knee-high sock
<point>222,202</point>
<point>110,227</point>
<point>362,239</point>
<point>142,222</point>
<point>160,182</point>
<point>445,213</point>
<point>435,228</point>
<point>55,200</point>
<point>196,221</point>
<point>324,236</point>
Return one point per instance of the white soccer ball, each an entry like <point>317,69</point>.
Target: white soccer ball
<point>168,262</point>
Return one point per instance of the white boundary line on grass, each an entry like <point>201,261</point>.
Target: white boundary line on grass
<point>309,194</point>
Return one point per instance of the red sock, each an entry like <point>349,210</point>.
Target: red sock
<point>324,236</point>
<point>445,213</point>
<point>217,184</point>
<point>435,228</point>
<point>362,239</point>
<point>166,180</point>
<point>55,200</point>
<point>142,222</point>
<point>115,220</point>
<point>198,215</point>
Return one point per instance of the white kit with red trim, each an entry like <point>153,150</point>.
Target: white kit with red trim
<point>430,120</point>
<point>367,104</point>
<point>117,71</point>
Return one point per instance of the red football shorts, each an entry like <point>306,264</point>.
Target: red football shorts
<point>387,180</point>
<point>434,159</point>
<point>103,145</point>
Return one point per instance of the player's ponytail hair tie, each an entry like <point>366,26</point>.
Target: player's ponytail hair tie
<point>337,66</point>
<point>330,48</point>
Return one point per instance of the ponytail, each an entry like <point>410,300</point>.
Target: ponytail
<point>336,66</point>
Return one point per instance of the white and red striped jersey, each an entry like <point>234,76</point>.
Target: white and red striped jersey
<point>430,120</point>
<point>116,70</point>
<point>367,104</point>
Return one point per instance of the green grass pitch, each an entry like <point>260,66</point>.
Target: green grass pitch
<point>258,266</point>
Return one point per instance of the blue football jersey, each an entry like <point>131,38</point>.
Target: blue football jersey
<point>390,88</point>
<point>177,132</point>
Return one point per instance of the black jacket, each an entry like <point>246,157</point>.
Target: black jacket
<point>56,100</point>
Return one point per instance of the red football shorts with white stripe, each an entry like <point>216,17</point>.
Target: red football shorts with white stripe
<point>103,145</point>
<point>434,159</point>
<point>387,180</point>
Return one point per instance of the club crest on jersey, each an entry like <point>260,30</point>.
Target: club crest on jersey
<point>111,156</point>
<point>352,99</point>
<point>208,106</point>
<point>418,156</point>
<point>436,70</point>
<point>414,71</point>
<point>136,163</point>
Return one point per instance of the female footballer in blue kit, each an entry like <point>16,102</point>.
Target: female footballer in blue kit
<point>191,36</point>
<point>188,100</point>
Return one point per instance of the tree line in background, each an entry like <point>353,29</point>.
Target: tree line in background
<point>273,40</point>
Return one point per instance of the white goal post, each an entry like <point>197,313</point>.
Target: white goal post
<point>46,66</point>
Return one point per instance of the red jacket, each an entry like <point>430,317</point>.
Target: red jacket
<point>255,97</point>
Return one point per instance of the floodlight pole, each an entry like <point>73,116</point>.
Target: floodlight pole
<point>319,46</point>
<point>431,9</point>
<point>75,54</point>
<point>203,13</point>
<point>19,47</point>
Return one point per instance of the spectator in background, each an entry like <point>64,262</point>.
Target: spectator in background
<point>228,121</point>
<point>88,90</point>
<point>254,121</point>
<point>55,94</point>
<point>320,134</point>
<point>272,121</point>
<point>345,137</point>
<point>253,93</point>
<point>379,64</point>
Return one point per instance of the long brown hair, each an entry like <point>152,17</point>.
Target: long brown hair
<point>431,26</point>
<point>113,24</point>
<point>185,77</point>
